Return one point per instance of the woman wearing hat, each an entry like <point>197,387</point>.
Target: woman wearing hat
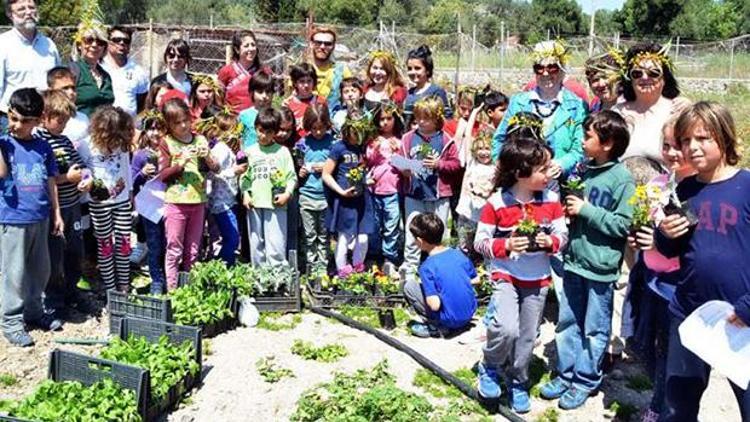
<point>604,74</point>
<point>93,84</point>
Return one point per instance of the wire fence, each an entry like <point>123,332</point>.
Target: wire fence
<point>459,58</point>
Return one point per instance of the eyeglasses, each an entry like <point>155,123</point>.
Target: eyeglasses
<point>653,73</point>
<point>319,43</point>
<point>174,56</point>
<point>94,41</point>
<point>120,40</point>
<point>551,69</point>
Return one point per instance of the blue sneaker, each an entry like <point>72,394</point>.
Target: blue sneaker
<point>554,389</point>
<point>519,399</point>
<point>489,382</point>
<point>422,330</point>
<point>573,398</point>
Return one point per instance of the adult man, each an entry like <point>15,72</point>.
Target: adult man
<point>26,55</point>
<point>129,80</point>
<point>330,73</point>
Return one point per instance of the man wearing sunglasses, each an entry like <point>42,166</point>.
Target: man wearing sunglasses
<point>129,80</point>
<point>26,55</point>
<point>330,74</point>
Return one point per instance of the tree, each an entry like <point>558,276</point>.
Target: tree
<point>706,20</point>
<point>640,18</point>
<point>347,12</point>
<point>443,17</point>
<point>560,17</point>
<point>394,11</point>
<point>605,22</point>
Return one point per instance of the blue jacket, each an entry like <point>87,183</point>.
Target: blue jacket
<point>565,135</point>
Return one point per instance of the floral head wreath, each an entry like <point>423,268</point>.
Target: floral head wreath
<point>358,123</point>
<point>149,116</point>
<point>657,57</point>
<point>430,103</point>
<point>388,107</point>
<point>208,81</point>
<point>383,55</point>
<point>517,122</point>
<point>603,64</point>
<point>91,21</point>
<point>556,50</point>
<point>483,139</point>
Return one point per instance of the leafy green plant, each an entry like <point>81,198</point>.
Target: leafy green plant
<point>639,383</point>
<point>458,405</point>
<point>8,380</point>
<point>273,280</point>
<point>271,372</point>
<point>549,415</point>
<point>206,347</point>
<point>370,317</point>
<point>72,401</point>
<point>166,362</point>
<point>193,305</point>
<point>623,411</point>
<point>275,321</point>
<point>327,353</point>
<point>371,281</point>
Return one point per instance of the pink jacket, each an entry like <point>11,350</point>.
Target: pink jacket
<point>448,168</point>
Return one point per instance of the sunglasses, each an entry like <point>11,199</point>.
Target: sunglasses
<point>120,40</point>
<point>174,56</point>
<point>551,69</point>
<point>323,43</point>
<point>654,73</point>
<point>92,41</point>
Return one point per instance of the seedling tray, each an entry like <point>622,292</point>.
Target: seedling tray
<point>291,303</point>
<point>121,305</point>
<point>327,299</point>
<point>226,324</point>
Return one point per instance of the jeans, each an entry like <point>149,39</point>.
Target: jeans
<point>230,235</point>
<point>387,219</point>
<point>316,237</point>
<point>583,328</point>
<point>687,379</point>
<point>155,241</point>
<point>66,253</point>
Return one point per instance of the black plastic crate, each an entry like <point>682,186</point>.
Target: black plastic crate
<point>70,366</point>
<point>291,303</point>
<point>226,324</point>
<point>121,305</point>
<point>325,299</point>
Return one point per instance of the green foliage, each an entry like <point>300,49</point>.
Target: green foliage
<point>639,383</point>
<point>706,20</point>
<point>458,404</point>
<point>271,372</point>
<point>649,17</point>
<point>8,380</point>
<point>71,401</point>
<point>364,396</point>
<point>199,12</point>
<point>328,353</point>
<point>193,305</point>
<point>561,17</point>
<point>623,411</point>
<point>549,415</point>
<point>166,362</point>
<point>538,375</point>
<point>207,347</point>
<point>370,317</point>
<point>275,321</point>
<point>347,12</point>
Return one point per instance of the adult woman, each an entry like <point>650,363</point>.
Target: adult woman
<point>561,111</point>
<point>419,66</point>
<point>93,83</point>
<point>177,57</point>
<point>384,81</point>
<point>236,75</point>
<point>651,98</point>
<point>604,75</point>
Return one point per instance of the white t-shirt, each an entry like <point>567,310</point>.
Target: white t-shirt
<point>24,63</point>
<point>113,169</point>
<point>77,129</point>
<point>128,82</point>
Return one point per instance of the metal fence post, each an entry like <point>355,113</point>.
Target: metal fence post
<point>502,52</point>
<point>150,41</point>
<point>474,48</point>
<point>731,62</point>
<point>458,56</point>
<point>677,49</point>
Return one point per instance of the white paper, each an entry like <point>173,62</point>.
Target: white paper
<point>150,200</point>
<point>402,163</point>
<point>720,344</point>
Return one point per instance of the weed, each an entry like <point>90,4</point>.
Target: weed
<point>8,380</point>
<point>639,383</point>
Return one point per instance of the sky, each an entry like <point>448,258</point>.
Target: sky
<point>587,5</point>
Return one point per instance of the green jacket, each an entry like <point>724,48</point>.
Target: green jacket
<point>598,233</point>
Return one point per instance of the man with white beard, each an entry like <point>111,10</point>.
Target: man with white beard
<point>26,55</point>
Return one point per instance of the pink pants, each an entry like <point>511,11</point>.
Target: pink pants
<point>183,224</point>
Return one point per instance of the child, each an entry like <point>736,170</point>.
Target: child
<point>386,182</point>
<point>520,275</point>
<point>444,296</point>
<point>287,134</point>
<point>66,251</point>
<point>419,68</point>
<point>62,79</point>
<point>431,188</point>
<point>145,167</point>
<point>350,211</point>
<point>712,254</point>
<point>477,186</point>
<point>304,81</point>
<point>314,149</point>
<point>222,195</point>
<point>261,90</point>
<point>28,213</point>
<point>111,212</point>
<point>156,93</point>
<point>267,186</point>
<point>351,98</point>
<point>495,105</point>
<point>592,261</point>
<point>180,157</point>
<point>206,98</point>
<point>466,104</point>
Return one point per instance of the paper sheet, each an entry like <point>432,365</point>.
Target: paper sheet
<point>720,344</point>
<point>150,200</point>
<point>402,163</point>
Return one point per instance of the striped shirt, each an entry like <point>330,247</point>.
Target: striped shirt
<point>498,221</point>
<point>66,156</point>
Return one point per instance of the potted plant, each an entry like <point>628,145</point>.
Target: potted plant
<point>356,178</point>
<point>62,162</point>
<point>573,185</point>
<point>99,190</point>
<point>647,203</point>
<point>675,206</point>
<point>528,228</point>
<point>278,182</point>
<point>298,153</point>
<point>425,150</point>
<point>241,158</point>
<point>387,318</point>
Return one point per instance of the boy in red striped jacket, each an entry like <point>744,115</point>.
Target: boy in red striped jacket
<point>521,226</point>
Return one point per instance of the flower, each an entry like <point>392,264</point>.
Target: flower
<point>527,225</point>
<point>278,178</point>
<point>647,202</point>
<point>574,182</point>
<point>355,175</point>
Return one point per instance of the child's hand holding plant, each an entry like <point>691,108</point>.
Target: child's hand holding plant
<point>246,200</point>
<point>517,244</point>
<point>431,161</point>
<point>573,205</point>
<point>643,239</point>
<point>543,240</point>
<point>281,199</point>
<point>74,174</point>
<point>674,226</point>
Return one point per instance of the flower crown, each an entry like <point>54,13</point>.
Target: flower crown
<point>551,49</point>
<point>151,115</point>
<point>91,20</point>
<point>657,57</point>
<point>361,125</point>
<point>432,104</point>
<point>208,81</point>
<point>516,122</point>
<point>383,55</point>
<point>483,139</point>
<point>612,71</point>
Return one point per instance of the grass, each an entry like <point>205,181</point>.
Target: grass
<point>549,415</point>
<point>458,404</point>
<point>8,380</point>
<point>276,321</point>
<point>206,348</point>
<point>623,411</point>
<point>538,375</point>
<point>639,383</point>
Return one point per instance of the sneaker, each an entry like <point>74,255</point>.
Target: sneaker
<point>19,338</point>
<point>519,399</point>
<point>138,254</point>
<point>489,382</point>
<point>86,306</point>
<point>554,389</point>
<point>573,398</point>
<point>46,322</point>
<point>422,330</point>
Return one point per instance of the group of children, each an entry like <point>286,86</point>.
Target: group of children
<point>366,175</point>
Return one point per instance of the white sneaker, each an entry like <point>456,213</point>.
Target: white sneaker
<point>139,253</point>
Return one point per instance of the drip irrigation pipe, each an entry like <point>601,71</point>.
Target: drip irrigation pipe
<point>446,376</point>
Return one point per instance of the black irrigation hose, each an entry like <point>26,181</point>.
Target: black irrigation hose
<point>426,363</point>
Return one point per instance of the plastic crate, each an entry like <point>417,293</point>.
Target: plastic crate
<point>292,303</point>
<point>324,299</point>
<point>70,366</point>
<point>121,305</point>
<point>226,324</point>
